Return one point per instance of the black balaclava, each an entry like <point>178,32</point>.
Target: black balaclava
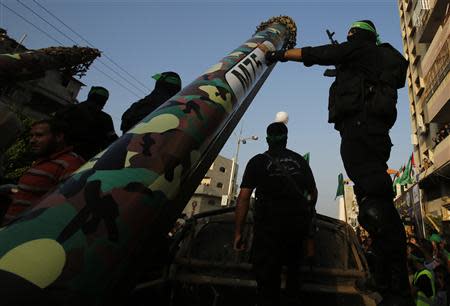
<point>362,34</point>
<point>167,83</point>
<point>98,95</point>
<point>277,133</point>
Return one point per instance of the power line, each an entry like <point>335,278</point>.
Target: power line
<point>32,24</point>
<point>60,43</point>
<point>43,19</point>
<point>76,43</point>
<point>86,41</point>
<point>114,80</point>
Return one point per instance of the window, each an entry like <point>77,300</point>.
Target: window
<point>211,202</point>
<point>222,169</point>
<point>206,181</point>
<point>219,185</point>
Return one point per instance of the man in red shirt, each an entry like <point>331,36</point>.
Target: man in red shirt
<point>55,162</point>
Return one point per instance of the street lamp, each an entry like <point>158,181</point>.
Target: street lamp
<point>232,181</point>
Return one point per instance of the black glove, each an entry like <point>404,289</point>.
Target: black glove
<point>275,56</point>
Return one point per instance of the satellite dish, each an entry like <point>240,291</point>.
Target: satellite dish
<point>282,117</point>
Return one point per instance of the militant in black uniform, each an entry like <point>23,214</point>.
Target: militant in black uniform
<point>286,195</point>
<point>90,130</point>
<point>362,106</point>
<point>167,84</point>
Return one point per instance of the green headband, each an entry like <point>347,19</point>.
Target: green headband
<point>167,78</point>
<point>367,27</point>
<point>436,238</point>
<point>99,91</point>
<point>276,138</point>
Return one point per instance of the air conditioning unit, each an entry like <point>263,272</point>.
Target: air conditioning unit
<point>422,129</point>
<point>414,139</point>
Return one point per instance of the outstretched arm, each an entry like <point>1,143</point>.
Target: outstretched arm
<point>322,55</point>
<point>293,55</point>
<point>284,56</point>
<point>242,206</point>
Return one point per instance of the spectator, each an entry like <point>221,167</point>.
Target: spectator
<point>167,84</point>
<point>55,161</point>
<point>426,248</point>
<point>442,134</point>
<point>441,286</point>
<point>91,129</point>
<point>424,290</point>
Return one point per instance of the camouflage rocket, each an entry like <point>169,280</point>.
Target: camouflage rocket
<point>32,64</point>
<point>85,242</point>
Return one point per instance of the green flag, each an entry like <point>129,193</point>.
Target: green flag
<point>306,157</point>
<point>396,180</point>
<point>406,178</point>
<point>340,189</point>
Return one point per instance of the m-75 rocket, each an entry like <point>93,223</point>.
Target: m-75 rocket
<point>85,242</point>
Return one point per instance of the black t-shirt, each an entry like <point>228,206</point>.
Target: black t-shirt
<point>274,188</point>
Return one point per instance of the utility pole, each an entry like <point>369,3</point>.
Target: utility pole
<point>232,181</point>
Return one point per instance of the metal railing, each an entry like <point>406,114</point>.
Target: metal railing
<point>421,13</point>
<point>438,71</point>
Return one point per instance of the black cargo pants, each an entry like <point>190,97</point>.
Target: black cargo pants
<point>277,244</point>
<point>365,153</point>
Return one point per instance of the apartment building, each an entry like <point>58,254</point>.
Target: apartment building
<point>214,188</point>
<point>348,207</point>
<point>40,97</point>
<point>425,29</point>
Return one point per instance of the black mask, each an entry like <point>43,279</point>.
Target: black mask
<point>361,35</point>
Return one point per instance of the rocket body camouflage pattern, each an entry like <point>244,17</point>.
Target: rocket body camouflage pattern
<point>79,242</point>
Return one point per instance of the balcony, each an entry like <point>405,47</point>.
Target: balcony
<point>430,18</point>
<point>420,11</point>
<point>437,80</point>
<point>207,190</point>
<point>418,85</point>
<point>441,155</point>
<point>409,4</point>
<point>412,108</point>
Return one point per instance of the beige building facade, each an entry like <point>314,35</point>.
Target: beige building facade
<point>40,97</point>
<point>425,28</point>
<point>348,207</point>
<point>213,190</point>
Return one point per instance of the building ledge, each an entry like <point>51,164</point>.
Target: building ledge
<point>442,152</point>
<point>438,99</point>
<point>434,175</point>
<point>431,21</point>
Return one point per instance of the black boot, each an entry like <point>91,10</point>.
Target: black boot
<point>389,273</point>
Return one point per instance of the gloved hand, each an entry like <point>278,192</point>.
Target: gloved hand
<point>275,56</point>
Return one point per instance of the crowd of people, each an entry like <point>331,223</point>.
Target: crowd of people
<point>62,143</point>
<point>428,266</point>
<point>442,134</point>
